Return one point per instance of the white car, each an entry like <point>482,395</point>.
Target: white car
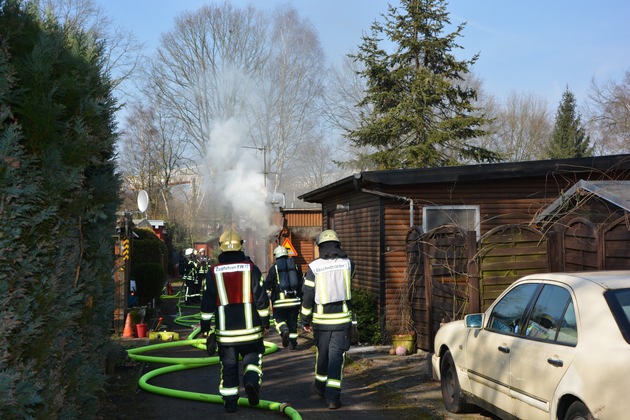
<point>552,346</point>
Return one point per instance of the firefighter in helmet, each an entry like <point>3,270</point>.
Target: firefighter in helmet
<point>189,275</point>
<point>234,296</point>
<point>202,269</point>
<point>284,281</point>
<point>326,304</point>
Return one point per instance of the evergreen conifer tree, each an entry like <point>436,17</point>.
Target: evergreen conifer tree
<point>59,197</point>
<point>568,139</point>
<point>421,115</point>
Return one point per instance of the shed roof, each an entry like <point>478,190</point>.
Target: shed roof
<point>148,223</point>
<point>469,173</point>
<point>615,192</point>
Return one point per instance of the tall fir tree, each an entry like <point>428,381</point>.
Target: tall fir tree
<point>568,139</point>
<point>59,193</point>
<point>421,115</point>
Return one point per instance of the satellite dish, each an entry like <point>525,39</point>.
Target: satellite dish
<point>143,201</point>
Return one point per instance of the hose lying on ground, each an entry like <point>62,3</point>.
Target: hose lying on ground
<point>176,364</point>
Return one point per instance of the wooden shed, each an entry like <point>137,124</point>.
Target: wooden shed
<point>300,228</point>
<point>375,213</point>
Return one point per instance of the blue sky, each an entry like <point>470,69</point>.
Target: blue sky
<point>533,46</point>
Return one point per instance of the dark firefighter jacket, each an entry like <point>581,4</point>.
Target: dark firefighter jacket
<point>273,282</point>
<point>190,269</point>
<point>235,297</point>
<point>326,299</point>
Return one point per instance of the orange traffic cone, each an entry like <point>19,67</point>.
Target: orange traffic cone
<point>128,332</point>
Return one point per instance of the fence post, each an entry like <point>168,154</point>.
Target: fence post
<point>474,290</point>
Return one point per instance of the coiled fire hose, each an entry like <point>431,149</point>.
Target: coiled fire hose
<point>176,364</point>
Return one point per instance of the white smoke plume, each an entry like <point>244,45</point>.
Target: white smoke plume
<point>238,181</point>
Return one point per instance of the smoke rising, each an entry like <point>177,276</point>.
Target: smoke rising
<point>238,181</point>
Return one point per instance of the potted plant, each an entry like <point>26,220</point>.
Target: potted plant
<point>404,334</point>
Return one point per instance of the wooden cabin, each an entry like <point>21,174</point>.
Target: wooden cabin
<point>380,215</point>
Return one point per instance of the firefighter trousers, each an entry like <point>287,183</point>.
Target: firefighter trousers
<point>330,359</point>
<point>252,354</point>
<point>287,318</point>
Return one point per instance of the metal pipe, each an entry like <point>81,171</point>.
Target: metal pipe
<point>357,185</point>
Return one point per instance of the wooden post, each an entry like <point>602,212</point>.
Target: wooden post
<point>474,290</point>
<point>426,249</point>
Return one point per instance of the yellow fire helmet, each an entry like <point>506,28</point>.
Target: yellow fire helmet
<point>280,251</point>
<point>328,235</point>
<point>230,240</point>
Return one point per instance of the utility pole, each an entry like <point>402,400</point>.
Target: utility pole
<point>264,150</point>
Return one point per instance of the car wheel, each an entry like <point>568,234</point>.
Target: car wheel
<point>578,411</point>
<point>452,395</point>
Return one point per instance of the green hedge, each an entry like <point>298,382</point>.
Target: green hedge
<point>365,308</point>
<point>59,195</point>
<point>150,279</point>
<point>149,262</point>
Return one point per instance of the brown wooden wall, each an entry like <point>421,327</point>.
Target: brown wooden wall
<point>382,266</point>
<point>395,256</point>
<point>302,228</point>
<point>362,244</point>
<point>504,202</point>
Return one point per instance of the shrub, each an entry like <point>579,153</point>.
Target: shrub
<point>365,308</point>
<point>150,279</point>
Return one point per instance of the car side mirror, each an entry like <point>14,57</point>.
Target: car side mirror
<point>473,320</point>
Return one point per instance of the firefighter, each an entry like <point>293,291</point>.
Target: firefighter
<point>327,304</point>
<point>284,281</point>
<point>202,270</point>
<point>189,275</point>
<point>234,296</point>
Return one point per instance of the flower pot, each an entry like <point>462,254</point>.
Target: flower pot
<point>141,330</point>
<point>408,341</point>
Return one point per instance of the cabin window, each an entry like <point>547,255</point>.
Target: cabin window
<point>466,217</point>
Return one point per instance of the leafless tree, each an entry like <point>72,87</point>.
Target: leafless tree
<point>520,127</point>
<point>153,157</point>
<point>344,91</point>
<point>608,115</point>
<point>316,166</point>
<point>292,91</point>
<point>206,67</point>
<point>235,79</point>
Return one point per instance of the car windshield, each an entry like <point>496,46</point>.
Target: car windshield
<point>619,302</point>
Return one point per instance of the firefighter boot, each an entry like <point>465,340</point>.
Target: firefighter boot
<point>285,338</point>
<point>231,405</point>
<point>211,344</point>
<point>252,394</point>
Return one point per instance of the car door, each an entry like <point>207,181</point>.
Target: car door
<point>488,350</point>
<point>541,355</point>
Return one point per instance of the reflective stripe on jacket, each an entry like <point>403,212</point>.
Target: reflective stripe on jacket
<point>327,293</point>
<point>233,292</point>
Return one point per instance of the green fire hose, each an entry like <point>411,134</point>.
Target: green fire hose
<point>176,364</point>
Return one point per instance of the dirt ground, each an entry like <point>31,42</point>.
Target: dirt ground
<point>375,383</point>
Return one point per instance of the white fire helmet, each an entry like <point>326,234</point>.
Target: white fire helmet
<point>280,251</point>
